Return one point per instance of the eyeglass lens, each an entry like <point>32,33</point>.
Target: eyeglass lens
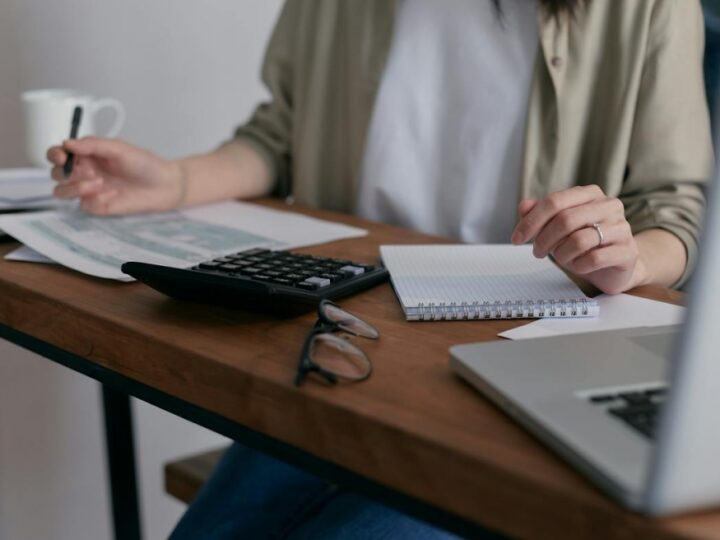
<point>348,322</point>
<point>339,357</point>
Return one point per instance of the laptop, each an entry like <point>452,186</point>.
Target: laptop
<point>637,410</point>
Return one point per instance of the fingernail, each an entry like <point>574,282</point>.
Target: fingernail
<point>516,238</point>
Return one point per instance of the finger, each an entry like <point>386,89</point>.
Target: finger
<point>79,172</point>
<point>95,146</point>
<point>525,206</point>
<point>122,205</point>
<point>99,204</point>
<point>587,239</point>
<point>615,256</point>
<point>56,155</point>
<point>84,188</point>
<point>533,222</point>
<point>84,169</point>
<point>58,174</point>
<point>606,211</point>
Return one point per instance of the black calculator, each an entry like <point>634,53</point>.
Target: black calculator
<point>277,282</point>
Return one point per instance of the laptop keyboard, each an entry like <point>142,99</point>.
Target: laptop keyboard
<point>639,408</point>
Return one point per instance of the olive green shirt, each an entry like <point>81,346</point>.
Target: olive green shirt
<point>617,100</point>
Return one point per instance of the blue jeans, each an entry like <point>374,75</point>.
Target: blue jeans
<point>712,56</point>
<point>251,495</point>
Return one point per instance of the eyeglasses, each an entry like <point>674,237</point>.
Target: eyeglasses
<point>331,356</point>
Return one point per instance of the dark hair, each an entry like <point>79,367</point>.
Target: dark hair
<point>555,6</point>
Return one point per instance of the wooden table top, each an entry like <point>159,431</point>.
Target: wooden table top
<point>413,426</point>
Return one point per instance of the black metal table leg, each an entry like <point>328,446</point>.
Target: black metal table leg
<point>119,438</point>
<point>120,450</point>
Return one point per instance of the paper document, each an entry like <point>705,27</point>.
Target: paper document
<point>100,245</point>
<point>23,189</point>
<point>616,311</point>
<point>27,254</point>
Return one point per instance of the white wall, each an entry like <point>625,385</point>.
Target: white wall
<point>187,72</point>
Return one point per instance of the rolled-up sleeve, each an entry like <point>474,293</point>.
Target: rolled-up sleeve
<point>671,156</point>
<point>269,129</point>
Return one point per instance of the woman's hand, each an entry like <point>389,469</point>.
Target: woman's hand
<point>114,177</point>
<point>561,225</point>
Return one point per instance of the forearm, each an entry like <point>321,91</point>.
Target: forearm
<point>662,258</point>
<point>233,171</point>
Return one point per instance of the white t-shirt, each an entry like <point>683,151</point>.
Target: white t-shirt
<point>445,141</point>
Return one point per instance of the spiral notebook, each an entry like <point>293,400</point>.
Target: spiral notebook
<point>455,282</point>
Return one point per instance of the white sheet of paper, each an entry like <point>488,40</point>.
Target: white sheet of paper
<point>27,254</point>
<point>616,311</point>
<point>26,189</point>
<point>100,245</point>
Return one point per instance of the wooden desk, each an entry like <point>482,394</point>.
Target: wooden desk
<point>414,435</point>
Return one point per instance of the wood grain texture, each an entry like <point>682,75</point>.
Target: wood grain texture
<point>413,425</point>
<point>184,477</point>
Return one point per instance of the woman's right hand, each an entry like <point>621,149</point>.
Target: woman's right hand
<point>113,177</point>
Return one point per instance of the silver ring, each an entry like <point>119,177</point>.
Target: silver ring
<point>601,236</point>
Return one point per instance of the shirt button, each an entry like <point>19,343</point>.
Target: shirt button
<point>556,61</point>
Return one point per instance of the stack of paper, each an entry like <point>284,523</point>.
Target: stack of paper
<point>25,189</point>
<point>616,311</point>
<point>100,245</point>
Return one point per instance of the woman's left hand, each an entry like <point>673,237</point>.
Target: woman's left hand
<point>562,225</point>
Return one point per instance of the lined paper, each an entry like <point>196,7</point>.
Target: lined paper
<point>475,274</point>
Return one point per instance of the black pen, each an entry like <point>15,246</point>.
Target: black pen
<point>77,116</point>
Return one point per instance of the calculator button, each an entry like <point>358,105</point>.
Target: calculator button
<point>354,270</point>
<point>333,277</point>
<point>319,281</point>
<point>289,270</point>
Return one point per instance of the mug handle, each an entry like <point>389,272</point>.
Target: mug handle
<point>116,106</point>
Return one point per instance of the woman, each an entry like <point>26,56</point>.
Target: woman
<point>441,116</point>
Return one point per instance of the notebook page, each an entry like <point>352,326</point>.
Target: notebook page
<point>443,274</point>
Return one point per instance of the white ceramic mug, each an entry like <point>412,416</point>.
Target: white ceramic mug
<point>48,114</point>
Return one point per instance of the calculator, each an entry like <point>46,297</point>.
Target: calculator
<point>277,282</point>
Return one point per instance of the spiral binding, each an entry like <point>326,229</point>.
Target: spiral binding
<point>581,307</point>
